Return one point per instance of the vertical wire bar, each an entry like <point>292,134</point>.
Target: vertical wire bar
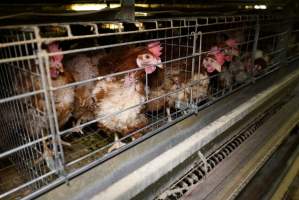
<point>181,48</point>
<point>195,36</point>
<point>285,45</point>
<point>146,87</point>
<point>54,130</point>
<point>4,140</point>
<point>36,147</point>
<point>27,151</point>
<point>2,110</point>
<point>199,58</point>
<point>255,45</point>
<point>10,141</point>
<point>19,160</point>
<point>6,76</point>
<point>22,110</point>
<point>45,79</point>
<point>57,145</point>
<point>172,65</point>
<point>39,117</point>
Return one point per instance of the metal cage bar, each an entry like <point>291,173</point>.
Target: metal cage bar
<point>33,137</point>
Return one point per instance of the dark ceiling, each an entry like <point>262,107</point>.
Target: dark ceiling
<point>23,11</point>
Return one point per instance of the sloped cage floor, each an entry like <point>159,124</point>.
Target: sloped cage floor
<point>9,179</point>
<point>91,141</point>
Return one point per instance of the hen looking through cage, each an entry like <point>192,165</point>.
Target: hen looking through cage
<point>117,87</point>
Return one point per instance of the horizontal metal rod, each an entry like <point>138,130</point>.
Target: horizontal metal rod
<point>19,148</point>
<point>27,184</point>
<point>20,96</point>
<point>119,112</point>
<point>227,30</point>
<point>72,37</point>
<point>253,17</point>
<point>293,45</point>
<point>122,139</point>
<point>89,49</point>
<point>117,151</point>
<point>99,78</point>
<point>161,119</point>
<point>136,69</point>
<point>116,45</point>
<point>273,35</point>
<point>21,58</point>
<point>277,51</point>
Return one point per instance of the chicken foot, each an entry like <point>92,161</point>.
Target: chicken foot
<point>47,156</point>
<point>117,143</point>
<point>78,129</point>
<point>64,143</point>
<point>169,119</point>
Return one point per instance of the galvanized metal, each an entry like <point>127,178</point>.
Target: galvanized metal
<point>21,52</point>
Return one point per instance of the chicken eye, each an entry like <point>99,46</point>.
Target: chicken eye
<point>147,56</point>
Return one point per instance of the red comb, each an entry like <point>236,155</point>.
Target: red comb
<point>219,56</point>
<point>155,48</point>
<point>52,48</point>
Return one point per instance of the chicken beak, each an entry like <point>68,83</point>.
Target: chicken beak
<point>217,67</point>
<point>160,65</point>
<point>61,70</point>
<point>235,52</point>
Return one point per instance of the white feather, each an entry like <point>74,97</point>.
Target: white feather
<point>116,99</point>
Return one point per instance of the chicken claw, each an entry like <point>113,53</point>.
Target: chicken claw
<point>169,119</point>
<point>65,143</point>
<point>117,144</point>
<point>78,129</point>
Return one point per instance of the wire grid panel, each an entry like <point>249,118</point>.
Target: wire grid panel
<point>231,45</point>
<point>44,104</point>
<point>272,46</point>
<point>293,40</point>
<point>148,102</point>
<point>25,137</point>
<point>77,91</point>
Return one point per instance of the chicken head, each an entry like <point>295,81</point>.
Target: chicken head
<point>230,49</point>
<point>214,60</point>
<point>150,59</point>
<point>56,66</point>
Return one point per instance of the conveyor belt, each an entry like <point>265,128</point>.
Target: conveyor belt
<point>199,173</point>
<point>229,177</point>
<point>274,171</point>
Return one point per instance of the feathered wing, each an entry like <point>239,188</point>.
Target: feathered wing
<point>84,67</point>
<point>64,98</point>
<point>119,100</point>
<point>112,98</point>
<point>177,81</point>
<point>114,95</point>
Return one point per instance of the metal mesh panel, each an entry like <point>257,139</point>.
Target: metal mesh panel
<point>24,118</point>
<point>56,121</point>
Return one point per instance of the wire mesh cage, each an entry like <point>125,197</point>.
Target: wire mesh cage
<point>73,94</point>
<point>292,42</point>
<point>24,118</point>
